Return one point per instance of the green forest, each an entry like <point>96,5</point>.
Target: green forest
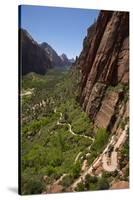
<point>49,149</point>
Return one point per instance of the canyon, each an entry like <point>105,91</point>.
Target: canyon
<point>75,122</point>
<point>38,58</point>
<point>104,84</point>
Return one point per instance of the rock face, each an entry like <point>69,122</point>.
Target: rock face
<point>120,185</point>
<point>32,57</point>
<point>65,60</point>
<point>56,60</point>
<point>104,67</point>
<point>51,53</point>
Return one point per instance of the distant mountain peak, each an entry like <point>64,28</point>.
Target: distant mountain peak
<point>39,57</point>
<point>58,61</point>
<point>64,56</point>
<point>66,59</point>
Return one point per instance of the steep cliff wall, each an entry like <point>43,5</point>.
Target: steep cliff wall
<point>104,66</point>
<point>32,56</point>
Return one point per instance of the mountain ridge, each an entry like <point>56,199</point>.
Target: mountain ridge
<point>38,58</point>
<point>58,61</point>
<point>32,57</point>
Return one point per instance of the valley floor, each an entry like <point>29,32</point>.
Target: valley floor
<point>60,149</point>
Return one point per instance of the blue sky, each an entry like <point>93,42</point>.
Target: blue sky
<point>63,28</point>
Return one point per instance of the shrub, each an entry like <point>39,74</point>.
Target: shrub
<point>35,125</point>
<point>127,173</point>
<point>106,175</point>
<point>50,170</point>
<point>67,181</point>
<point>33,186</point>
<point>95,183</point>
<point>87,181</point>
<point>80,187</point>
<point>115,173</point>
<point>92,157</point>
<point>102,184</point>
<point>100,140</point>
<point>76,170</point>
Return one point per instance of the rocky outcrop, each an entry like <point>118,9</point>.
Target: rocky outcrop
<point>32,57</point>
<point>104,67</point>
<point>120,185</point>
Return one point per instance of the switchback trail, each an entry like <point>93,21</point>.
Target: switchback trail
<point>70,128</point>
<point>73,133</point>
<point>104,158</point>
<point>113,158</point>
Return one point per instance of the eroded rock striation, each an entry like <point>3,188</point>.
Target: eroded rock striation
<point>104,67</point>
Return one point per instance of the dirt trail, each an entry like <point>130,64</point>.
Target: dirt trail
<point>70,128</point>
<point>27,93</point>
<point>77,157</point>
<point>60,179</point>
<point>113,158</point>
<point>110,167</point>
<point>104,158</point>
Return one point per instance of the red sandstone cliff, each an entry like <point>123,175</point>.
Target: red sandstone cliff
<point>104,66</point>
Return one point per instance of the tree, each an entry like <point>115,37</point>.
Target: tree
<point>50,170</point>
<point>33,186</point>
<point>76,170</point>
<point>61,142</point>
<point>90,182</point>
<point>67,181</point>
<point>87,181</point>
<point>65,116</point>
<point>100,140</point>
<point>80,187</point>
<point>102,184</point>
